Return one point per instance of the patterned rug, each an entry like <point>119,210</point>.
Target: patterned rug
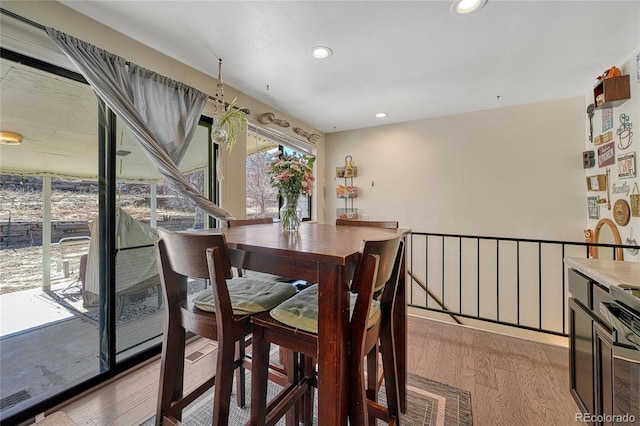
<point>429,403</point>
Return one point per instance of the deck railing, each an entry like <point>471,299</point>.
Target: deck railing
<point>514,282</point>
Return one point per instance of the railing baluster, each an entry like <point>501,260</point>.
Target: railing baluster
<point>478,275</point>
<point>442,275</point>
<point>497,280</point>
<point>426,268</point>
<point>460,275</point>
<point>564,295</point>
<point>540,286</point>
<point>518,280</point>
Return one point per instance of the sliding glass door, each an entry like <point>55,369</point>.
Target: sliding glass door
<point>49,338</point>
<point>80,294</point>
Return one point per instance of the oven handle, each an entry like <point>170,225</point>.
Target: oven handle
<point>611,311</point>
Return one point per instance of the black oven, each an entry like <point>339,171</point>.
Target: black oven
<point>623,314</point>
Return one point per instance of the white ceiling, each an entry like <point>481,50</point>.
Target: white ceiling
<point>413,60</point>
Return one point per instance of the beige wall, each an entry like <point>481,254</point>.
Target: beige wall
<point>53,14</point>
<point>507,172</point>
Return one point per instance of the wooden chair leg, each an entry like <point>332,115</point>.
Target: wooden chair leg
<point>224,381</point>
<point>292,368</point>
<point>372,379</point>
<point>240,373</point>
<point>357,394</point>
<point>389,366</point>
<point>259,375</point>
<point>171,372</point>
<point>309,370</point>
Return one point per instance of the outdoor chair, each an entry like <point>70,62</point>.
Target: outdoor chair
<point>71,250</point>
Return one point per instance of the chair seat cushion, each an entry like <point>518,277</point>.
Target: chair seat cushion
<point>248,295</point>
<point>301,310</point>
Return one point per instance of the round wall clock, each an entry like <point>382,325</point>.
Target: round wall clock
<point>621,212</point>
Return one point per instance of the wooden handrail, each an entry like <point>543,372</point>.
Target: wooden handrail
<point>433,296</point>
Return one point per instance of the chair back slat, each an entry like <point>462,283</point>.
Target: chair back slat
<point>187,252</point>
<point>242,222</point>
<point>387,250</point>
<point>388,224</point>
<point>389,293</point>
<point>224,310</point>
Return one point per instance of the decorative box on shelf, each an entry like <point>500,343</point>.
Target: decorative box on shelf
<point>612,92</point>
<point>347,213</point>
<point>597,183</point>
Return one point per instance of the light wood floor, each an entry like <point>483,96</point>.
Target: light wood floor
<point>512,381</point>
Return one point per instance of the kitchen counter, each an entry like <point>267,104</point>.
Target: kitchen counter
<point>606,272</point>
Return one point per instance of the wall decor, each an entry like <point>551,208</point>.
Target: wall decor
<point>597,140</point>
<point>607,137</point>
<point>593,207</point>
<point>607,119</point>
<point>606,155</point>
<point>596,182</point>
<point>620,189</point>
<point>588,238</point>
<point>621,212</point>
<point>590,109</point>
<point>625,135</point>
<point>616,238</point>
<point>346,191</point>
<point>269,117</point>
<point>311,137</point>
<point>635,201</point>
<point>607,183</point>
<point>588,159</point>
<point>627,165</point>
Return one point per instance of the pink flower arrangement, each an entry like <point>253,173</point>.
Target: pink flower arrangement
<point>292,175</point>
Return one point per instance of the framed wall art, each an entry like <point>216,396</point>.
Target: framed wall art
<point>607,119</point>
<point>597,183</point>
<point>627,165</point>
<point>606,155</point>
<point>593,207</point>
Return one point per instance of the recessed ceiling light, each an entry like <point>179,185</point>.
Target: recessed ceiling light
<point>381,114</point>
<point>10,138</point>
<point>321,52</point>
<point>467,6</point>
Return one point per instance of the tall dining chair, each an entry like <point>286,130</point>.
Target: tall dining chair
<point>294,325</point>
<point>386,333</point>
<point>388,224</point>
<point>263,275</point>
<point>222,313</point>
<point>243,222</point>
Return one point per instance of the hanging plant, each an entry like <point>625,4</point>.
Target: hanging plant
<point>229,120</point>
<point>233,122</point>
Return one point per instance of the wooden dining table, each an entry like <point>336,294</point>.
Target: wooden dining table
<point>321,254</point>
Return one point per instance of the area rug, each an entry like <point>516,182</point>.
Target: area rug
<point>429,403</point>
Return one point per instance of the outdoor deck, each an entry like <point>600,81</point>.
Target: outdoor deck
<point>49,342</point>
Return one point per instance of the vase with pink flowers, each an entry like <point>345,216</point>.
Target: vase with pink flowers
<point>292,176</point>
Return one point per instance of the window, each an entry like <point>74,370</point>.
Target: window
<point>262,145</point>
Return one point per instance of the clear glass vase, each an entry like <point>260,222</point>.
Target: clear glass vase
<point>290,214</point>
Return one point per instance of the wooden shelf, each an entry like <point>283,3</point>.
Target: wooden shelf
<point>615,91</point>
